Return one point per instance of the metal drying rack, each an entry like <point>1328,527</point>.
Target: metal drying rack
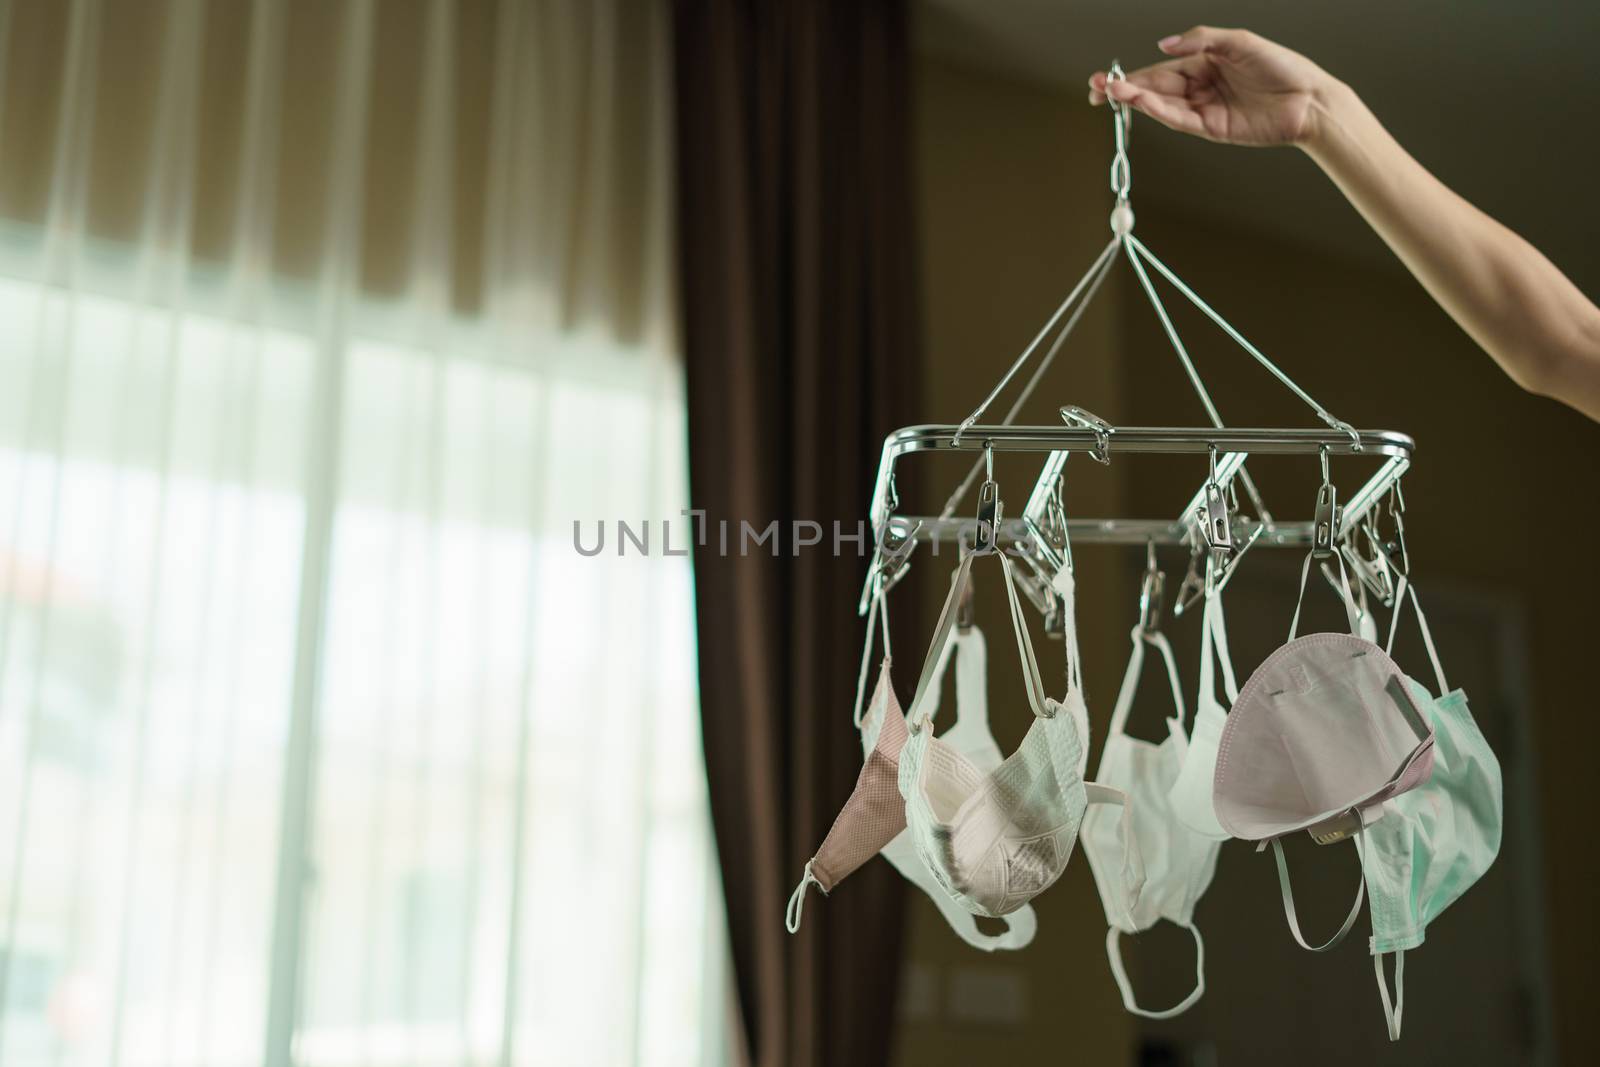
<point>1211,524</point>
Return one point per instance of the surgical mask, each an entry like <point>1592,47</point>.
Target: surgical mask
<point>1191,796</point>
<point>1324,732</point>
<point>874,813</point>
<point>1177,863</point>
<point>1435,841</point>
<point>994,840</point>
<point>970,736</point>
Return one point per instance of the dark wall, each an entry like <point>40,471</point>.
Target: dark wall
<point>1501,499</point>
<point>1501,495</point>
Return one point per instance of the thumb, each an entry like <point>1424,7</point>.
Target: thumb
<point>1224,44</point>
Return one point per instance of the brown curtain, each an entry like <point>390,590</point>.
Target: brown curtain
<point>800,324</point>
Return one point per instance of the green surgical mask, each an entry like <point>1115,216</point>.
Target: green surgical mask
<point>1436,840</point>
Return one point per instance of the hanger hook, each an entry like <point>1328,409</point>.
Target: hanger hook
<point>1121,122</point>
<point>1325,468</point>
<point>988,461</point>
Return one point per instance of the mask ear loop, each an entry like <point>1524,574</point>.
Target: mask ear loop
<point>1120,973</point>
<point>1288,894</point>
<point>1180,710</point>
<point>877,613</point>
<point>1392,1012</point>
<point>1400,590</point>
<point>1352,613</point>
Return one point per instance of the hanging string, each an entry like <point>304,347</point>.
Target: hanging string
<point>1105,255</point>
<point>1194,298</point>
<point>1102,268</point>
<point>1129,242</point>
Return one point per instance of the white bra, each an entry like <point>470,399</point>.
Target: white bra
<point>995,840</point>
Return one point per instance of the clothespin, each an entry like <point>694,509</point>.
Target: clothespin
<point>1325,522</point>
<point>1216,526</point>
<point>1073,415</point>
<point>1193,587</point>
<point>988,507</point>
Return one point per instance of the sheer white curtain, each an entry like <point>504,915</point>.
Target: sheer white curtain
<point>319,742</point>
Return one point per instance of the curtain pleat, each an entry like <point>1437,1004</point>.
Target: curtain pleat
<point>799,319</point>
<point>321,324</point>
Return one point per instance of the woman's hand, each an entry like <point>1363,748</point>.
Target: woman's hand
<point>1237,88</point>
<point>1229,86</point>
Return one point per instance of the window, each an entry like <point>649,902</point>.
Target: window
<point>508,844</point>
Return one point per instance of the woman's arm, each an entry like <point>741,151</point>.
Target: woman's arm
<point>1234,87</point>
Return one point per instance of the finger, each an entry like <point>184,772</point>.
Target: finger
<point>1173,112</point>
<point>1205,40</point>
<point>1174,75</point>
<point>1097,88</point>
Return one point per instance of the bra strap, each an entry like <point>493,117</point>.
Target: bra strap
<point>1120,973</point>
<point>1288,901</point>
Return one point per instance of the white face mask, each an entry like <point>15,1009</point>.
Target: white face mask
<point>1178,863</point>
<point>971,737</point>
<point>1191,793</point>
<point>1324,737</point>
<point>996,839</point>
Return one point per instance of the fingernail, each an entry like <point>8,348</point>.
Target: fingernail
<point>1168,42</point>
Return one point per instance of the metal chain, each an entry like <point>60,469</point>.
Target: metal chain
<point>1121,168</point>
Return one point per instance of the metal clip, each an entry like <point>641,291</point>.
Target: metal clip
<point>1073,415</point>
<point>1033,577</point>
<point>1227,570</point>
<point>1340,827</point>
<point>1325,523</point>
<point>1215,525</point>
<point>1056,513</point>
<point>1397,511</point>
<point>1152,589</point>
<point>895,562</point>
<point>1193,587</point>
<point>988,508</point>
<point>1373,572</point>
